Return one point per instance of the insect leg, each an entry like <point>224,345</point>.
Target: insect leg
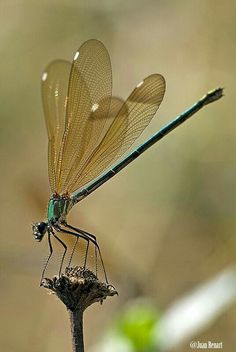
<point>93,239</point>
<point>65,250</point>
<point>78,235</point>
<point>50,254</point>
<point>73,250</point>
<point>90,235</point>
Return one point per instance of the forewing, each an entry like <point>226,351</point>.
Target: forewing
<point>54,94</point>
<point>89,84</point>
<point>115,105</point>
<point>133,117</point>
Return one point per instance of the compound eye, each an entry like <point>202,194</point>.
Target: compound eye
<point>39,230</point>
<point>42,227</point>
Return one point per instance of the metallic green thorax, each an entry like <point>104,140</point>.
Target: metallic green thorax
<point>58,208</point>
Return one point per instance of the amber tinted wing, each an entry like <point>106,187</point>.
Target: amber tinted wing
<point>54,94</point>
<point>90,84</point>
<point>131,120</point>
<point>115,105</point>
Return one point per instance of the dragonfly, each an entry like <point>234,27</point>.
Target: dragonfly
<point>89,130</point>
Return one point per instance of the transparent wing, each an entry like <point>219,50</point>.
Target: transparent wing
<point>54,94</point>
<point>90,84</point>
<point>115,105</point>
<point>131,120</point>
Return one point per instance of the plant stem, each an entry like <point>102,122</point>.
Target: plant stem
<point>76,324</point>
<point>78,288</point>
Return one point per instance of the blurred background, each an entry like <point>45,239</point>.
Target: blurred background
<point>166,224</point>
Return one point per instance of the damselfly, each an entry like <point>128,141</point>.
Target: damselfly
<point>89,130</point>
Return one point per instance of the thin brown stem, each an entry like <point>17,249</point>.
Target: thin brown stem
<point>76,324</point>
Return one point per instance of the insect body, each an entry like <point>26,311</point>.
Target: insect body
<point>58,208</point>
<point>89,130</point>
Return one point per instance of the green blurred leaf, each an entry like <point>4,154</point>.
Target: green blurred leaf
<point>137,324</point>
